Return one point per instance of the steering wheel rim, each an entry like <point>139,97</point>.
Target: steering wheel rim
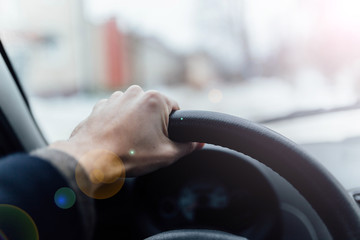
<point>326,195</point>
<point>198,234</point>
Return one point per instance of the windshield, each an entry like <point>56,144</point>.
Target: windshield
<point>255,59</point>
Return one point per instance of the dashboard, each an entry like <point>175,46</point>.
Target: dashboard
<point>220,189</point>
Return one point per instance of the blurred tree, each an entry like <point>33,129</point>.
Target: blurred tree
<point>224,34</point>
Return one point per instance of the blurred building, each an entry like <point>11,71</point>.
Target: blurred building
<point>108,56</point>
<point>121,58</point>
<point>117,59</point>
<point>152,63</point>
<point>58,52</point>
<point>50,42</point>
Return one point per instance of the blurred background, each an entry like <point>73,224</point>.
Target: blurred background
<point>276,62</point>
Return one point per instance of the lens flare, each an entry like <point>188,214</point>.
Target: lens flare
<point>15,223</point>
<point>132,152</point>
<point>103,176</point>
<point>65,198</point>
<point>97,176</point>
<point>2,236</point>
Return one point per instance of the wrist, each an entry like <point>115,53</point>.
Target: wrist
<point>65,146</point>
<point>99,173</point>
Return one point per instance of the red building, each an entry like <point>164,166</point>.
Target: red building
<point>117,64</point>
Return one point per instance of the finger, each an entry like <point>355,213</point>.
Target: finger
<point>171,104</point>
<point>116,95</point>
<point>134,90</point>
<point>100,103</point>
<point>199,145</point>
<point>183,149</point>
<point>156,102</point>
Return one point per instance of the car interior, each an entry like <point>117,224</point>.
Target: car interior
<point>247,181</point>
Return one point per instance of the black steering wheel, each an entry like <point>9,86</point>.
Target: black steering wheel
<point>325,194</point>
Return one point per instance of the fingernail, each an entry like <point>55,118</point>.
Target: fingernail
<point>199,146</point>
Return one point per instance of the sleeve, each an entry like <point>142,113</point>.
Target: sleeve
<point>30,183</point>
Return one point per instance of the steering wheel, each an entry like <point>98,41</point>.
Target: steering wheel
<point>325,194</point>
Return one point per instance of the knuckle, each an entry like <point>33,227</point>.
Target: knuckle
<point>151,103</point>
<point>115,94</point>
<point>153,94</point>
<point>99,103</point>
<point>134,88</point>
<point>153,99</point>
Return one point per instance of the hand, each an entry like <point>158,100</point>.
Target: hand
<point>132,125</point>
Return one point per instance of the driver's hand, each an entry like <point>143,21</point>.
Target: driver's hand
<point>132,125</point>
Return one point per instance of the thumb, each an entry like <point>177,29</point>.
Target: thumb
<point>187,148</point>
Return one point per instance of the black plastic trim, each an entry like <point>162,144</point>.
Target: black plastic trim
<point>19,86</point>
<point>13,73</point>
<point>8,142</point>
